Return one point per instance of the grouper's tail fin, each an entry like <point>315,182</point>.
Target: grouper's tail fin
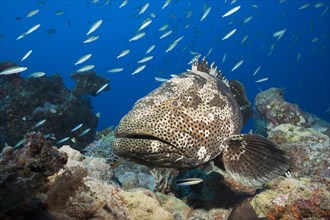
<point>254,160</point>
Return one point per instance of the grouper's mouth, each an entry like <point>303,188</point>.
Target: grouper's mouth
<point>146,149</point>
<point>142,137</point>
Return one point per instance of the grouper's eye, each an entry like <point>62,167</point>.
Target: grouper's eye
<point>175,103</point>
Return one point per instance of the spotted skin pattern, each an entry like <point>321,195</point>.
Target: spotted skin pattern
<point>183,123</point>
<point>192,119</point>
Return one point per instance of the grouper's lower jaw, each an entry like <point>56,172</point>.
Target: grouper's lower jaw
<point>151,152</point>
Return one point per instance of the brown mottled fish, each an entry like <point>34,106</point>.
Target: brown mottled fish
<point>196,117</point>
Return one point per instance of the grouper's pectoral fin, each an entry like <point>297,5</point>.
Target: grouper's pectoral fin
<point>254,160</point>
<point>238,90</point>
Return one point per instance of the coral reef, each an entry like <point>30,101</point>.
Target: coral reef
<point>304,136</point>
<point>24,172</point>
<point>26,102</point>
<point>102,147</point>
<point>273,110</point>
<point>87,188</point>
<point>308,150</point>
<point>88,83</point>
<point>35,183</point>
<point>288,198</point>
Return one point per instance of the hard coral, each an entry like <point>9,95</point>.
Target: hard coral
<point>288,198</point>
<point>102,147</point>
<point>23,173</point>
<point>272,107</point>
<point>88,83</point>
<point>25,102</point>
<point>308,150</point>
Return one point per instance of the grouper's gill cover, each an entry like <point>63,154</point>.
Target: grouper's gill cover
<point>191,119</point>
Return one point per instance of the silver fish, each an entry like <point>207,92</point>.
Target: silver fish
<point>123,53</point>
<point>229,34</point>
<point>145,59</point>
<point>63,140</point>
<point>32,29</point>
<point>83,59</point>
<point>86,68</point>
<point>26,55</point>
<point>151,48</point>
<point>298,56</point>
<point>231,11</point>
<point>279,34</point>
<point>13,70</point>
<point>95,26</point>
<point>247,19</point>
<point>84,132</point>
<point>306,5</point>
<point>21,36</point>
<point>115,70</point>
<point>179,39</point>
<point>144,8</point>
<point>163,27</point>
<point>167,2</point>
<point>189,181</point>
<point>159,79</point>
<point>319,5</point>
<point>31,13</point>
<point>238,64</point>
<point>209,52</point>
<point>244,39</point>
<point>171,47</point>
<point>102,88</point>
<point>206,12</point>
<point>77,127</point>
<point>137,36</point>
<point>91,39</point>
<point>261,80</point>
<point>257,70</point>
<point>37,74</point>
<point>123,3</point>
<point>39,123</point>
<point>139,69</point>
<point>166,34</point>
<point>21,142</point>
<point>224,58</point>
<point>59,12</point>
<point>145,24</point>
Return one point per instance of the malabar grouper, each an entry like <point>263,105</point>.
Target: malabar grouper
<point>196,117</point>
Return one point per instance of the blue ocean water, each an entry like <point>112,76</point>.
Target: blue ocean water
<point>298,61</point>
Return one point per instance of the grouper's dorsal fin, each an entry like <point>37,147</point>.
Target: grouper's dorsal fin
<point>203,66</point>
<point>238,90</point>
<point>235,86</point>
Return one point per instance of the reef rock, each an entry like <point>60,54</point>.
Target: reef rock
<point>289,198</point>
<point>308,150</point>
<point>24,172</point>
<point>304,136</point>
<point>273,110</point>
<point>88,181</point>
<point>44,104</point>
<point>88,83</point>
